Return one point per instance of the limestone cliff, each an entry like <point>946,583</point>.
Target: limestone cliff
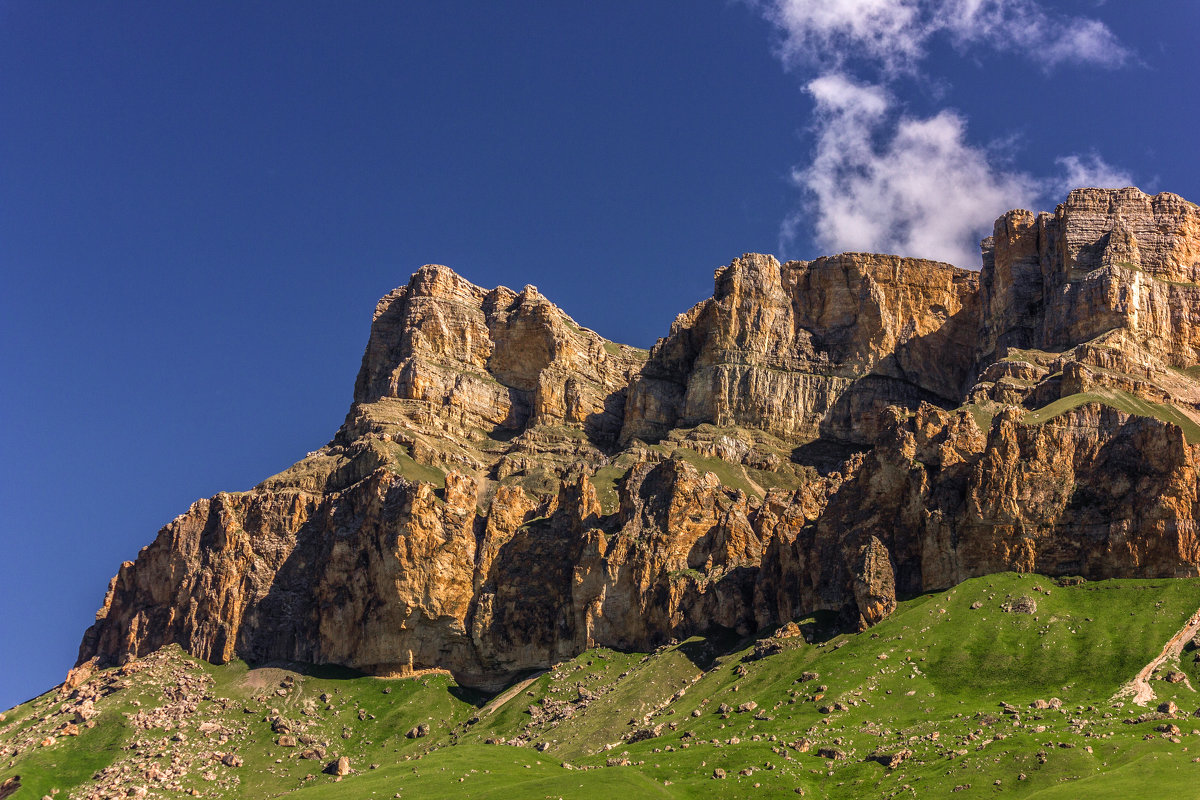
<point>510,488</point>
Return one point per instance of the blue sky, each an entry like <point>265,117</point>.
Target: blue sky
<point>200,204</point>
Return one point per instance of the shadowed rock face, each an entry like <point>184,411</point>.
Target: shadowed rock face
<point>510,488</point>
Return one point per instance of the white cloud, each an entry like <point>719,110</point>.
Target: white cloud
<point>887,31</point>
<point>883,180</point>
<point>1088,171</point>
<point>895,34</point>
<point>912,186</point>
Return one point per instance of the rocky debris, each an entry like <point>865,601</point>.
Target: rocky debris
<point>642,734</point>
<point>764,648</point>
<point>1168,707</point>
<point>891,760</point>
<point>1021,605</point>
<point>163,750</point>
<point>718,773</point>
<point>1174,676</point>
<point>417,731</point>
<point>500,460</point>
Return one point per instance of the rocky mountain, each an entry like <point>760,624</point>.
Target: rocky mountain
<point>510,488</point>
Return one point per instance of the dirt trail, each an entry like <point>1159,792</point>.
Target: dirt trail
<point>508,694</point>
<point>1139,687</point>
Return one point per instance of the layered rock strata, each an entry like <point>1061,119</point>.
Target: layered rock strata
<point>510,488</point>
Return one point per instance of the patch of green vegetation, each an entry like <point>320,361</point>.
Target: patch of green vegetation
<point>408,468</point>
<point>1123,401</point>
<point>682,574</point>
<point>1192,372</point>
<point>70,762</point>
<point>1130,266</point>
<point>787,480</point>
<point>1029,356</point>
<point>983,415</point>
<point>539,482</point>
<point>732,476</point>
<point>605,480</point>
<point>565,431</point>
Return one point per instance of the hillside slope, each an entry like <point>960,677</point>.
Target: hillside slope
<point>1008,684</point>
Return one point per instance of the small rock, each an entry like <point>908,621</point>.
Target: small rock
<point>718,773</point>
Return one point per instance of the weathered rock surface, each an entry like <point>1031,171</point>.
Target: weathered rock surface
<point>509,488</point>
<point>809,347</point>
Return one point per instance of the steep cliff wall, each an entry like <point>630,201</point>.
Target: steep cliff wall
<point>510,488</point>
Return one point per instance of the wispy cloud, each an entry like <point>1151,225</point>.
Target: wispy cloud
<point>1089,171</point>
<point>881,179</point>
<point>895,34</point>
<point>921,190</point>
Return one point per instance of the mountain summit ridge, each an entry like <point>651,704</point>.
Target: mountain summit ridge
<point>510,488</point>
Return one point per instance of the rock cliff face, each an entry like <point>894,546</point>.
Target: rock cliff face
<point>510,488</point>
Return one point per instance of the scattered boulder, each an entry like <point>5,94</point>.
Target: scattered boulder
<point>832,754</point>
<point>1174,676</point>
<point>417,731</point>
<point>642,734</point>
<point>1168,707</point>
<point>764,648</point>
<point>1022,605</point>
<point>339,767</point>
<point>792,630</point>
<point>232,760</point>
<point>750,705</point>
<point>891,760</point>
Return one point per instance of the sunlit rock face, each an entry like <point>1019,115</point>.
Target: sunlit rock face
<point>510,488</point>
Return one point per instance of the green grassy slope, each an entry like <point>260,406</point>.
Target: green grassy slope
<point>929,680</point>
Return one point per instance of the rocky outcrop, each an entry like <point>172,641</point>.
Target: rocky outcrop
<point>1105,260</point>
<point>806,348</point>
<point>509,488</point>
